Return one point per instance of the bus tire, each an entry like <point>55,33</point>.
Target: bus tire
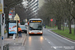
<point>41,34</point>
<point>29,34</point>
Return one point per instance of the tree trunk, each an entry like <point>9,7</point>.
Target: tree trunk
<point>74,26</point>
<point>48,21</point>
<point>6,16</point>
<point>63,25</point>
<point>59,24</point>
<point>70,32</point>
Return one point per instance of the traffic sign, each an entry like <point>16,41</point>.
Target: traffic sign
<point>10,15</point>
<point>1,9</point>
<point>51,20</point>
<point>16,17</point>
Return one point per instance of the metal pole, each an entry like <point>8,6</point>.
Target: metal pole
<point>2,1</point>
<point>74,26</point>
<point>0,20</point>
<point>17,27</point>
<point>2,26</point>
<point>1,33</point>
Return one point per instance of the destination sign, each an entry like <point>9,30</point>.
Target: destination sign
<point>35,21</point>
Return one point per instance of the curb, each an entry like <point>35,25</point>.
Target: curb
<point>24,40</point>
<point>64,37</point>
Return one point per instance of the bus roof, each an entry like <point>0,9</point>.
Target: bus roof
<point>35,19</point>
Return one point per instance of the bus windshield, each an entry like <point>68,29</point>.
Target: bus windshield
<point>35,26</point>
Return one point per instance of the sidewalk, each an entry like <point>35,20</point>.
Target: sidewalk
<point>5,36</point>
<point>17,44</point>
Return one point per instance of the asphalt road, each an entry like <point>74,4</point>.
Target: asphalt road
<point>48,41</point>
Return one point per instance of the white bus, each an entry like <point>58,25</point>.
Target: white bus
<point>35,26</point>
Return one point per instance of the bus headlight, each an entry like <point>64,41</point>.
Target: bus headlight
<point>40,31</point>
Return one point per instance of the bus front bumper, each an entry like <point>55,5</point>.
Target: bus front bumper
<point>35,33</point>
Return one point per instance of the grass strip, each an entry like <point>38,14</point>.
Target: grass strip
<point>65,33</point>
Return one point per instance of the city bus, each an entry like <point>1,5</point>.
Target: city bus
<point>35,26</point>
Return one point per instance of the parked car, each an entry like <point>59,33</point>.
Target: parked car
<point>24,29</point>
<point>26,24</point>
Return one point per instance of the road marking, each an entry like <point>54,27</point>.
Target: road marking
<point>61,37</point>
<point>45,38</point>
<point>55,47</point>
<point>49,42</point>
